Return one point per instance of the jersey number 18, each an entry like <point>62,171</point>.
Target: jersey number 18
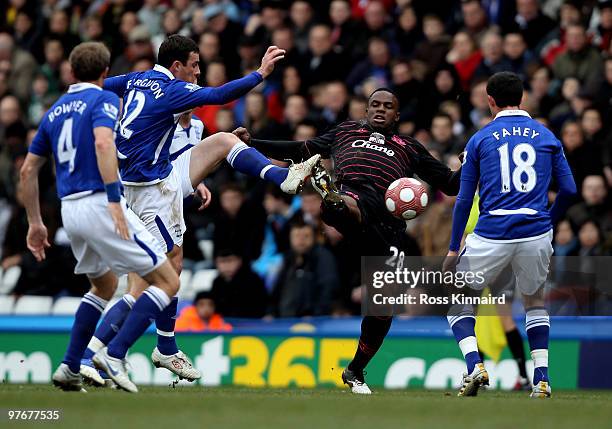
<point>523,167</point>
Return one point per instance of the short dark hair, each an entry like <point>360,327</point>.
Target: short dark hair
<point>89,60</point>
<point>390,91</point>
<point>176,48</point>
<point>506,88</point>
<point>442,115</point>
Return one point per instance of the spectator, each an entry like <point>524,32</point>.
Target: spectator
<point>432,51</point>
<point>59,28</point>
<point>603,32</point>
<point>474,18</point>
<point>54,55</point>
<point>335,104</point>
<point>201,316</point>
<point>540,102</point>
<point>493,60</point>
<point>301,15</point>
<point>151,15</point>
<point>19,64</point>
<point>583,159</point>
<point>532,23</point>
<point>308,277</point>
<point>376,65</point>
<point>139,47</point>
<point>238,291</point>
<point>443,139</point>
<point>465,56</point>
<point>581,60</point>
<point>357,108</point>
<point>521,60</point>
<point>239,222</point>
<point>321,63</point>
<point>595,205</point>
<point>407,31</point>
<point>344,27</point>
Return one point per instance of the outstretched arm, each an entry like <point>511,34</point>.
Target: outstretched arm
<point>191,95</point>
<point>37,231</point>
<point>287,149</point>
<point>436,173</point>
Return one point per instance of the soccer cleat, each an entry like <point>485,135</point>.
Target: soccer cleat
<point>67,380</point>
<point>541,390</point>
<point>297,175</point>
<point>90,374</point>
<point>472,382</point>
<point>356,381</point>
<point>522,384</point>
<point>177,363</point>
<point>323,183</point>
<point>115,368</point>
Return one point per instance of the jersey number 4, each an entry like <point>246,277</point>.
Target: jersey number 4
<point>523,167</point>
<point>65,149</point>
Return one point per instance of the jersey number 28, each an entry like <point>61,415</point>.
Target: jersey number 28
<point>523,167</point>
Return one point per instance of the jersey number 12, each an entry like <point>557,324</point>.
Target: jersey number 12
<point>523,167</point>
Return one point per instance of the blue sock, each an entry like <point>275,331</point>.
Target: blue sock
<point>110,325</point>
<point>147,308</point>
<point>463,328</point>
<point>85,321</point>
<point>537,325</point>
<point>250,161</point>
<point>166,343</point>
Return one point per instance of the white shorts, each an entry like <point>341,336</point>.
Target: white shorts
<point>529,260</point>
<point>96,245</point>
<point>160,206</point>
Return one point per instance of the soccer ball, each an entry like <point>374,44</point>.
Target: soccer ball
<point>406,198</point>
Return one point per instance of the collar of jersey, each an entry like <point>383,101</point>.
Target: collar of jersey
<point>163,70</point>
<point>518,112</point>
<point>76,87</point>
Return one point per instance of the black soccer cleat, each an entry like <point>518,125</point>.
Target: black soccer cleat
<point>356,381</point>
<point>323,183</point>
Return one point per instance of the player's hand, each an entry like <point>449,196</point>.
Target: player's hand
<point>243,134</point>
<point>450,262</point>
<point>121,227</point>
<point>271,57</point>
<point>37,240</point>
<point>204,193</point>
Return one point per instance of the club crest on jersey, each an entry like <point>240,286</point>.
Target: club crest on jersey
<point>111,111</point>
<point>375,142</point>
<point>397,139</point>
<point>192,87</point>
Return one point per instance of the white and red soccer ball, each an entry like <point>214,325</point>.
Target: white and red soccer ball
<point>406,198</point>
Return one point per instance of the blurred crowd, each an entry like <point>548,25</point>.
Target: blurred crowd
<point>273,253</point>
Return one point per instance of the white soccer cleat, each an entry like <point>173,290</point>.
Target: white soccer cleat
<point>356,381</point>
<point>115,368</point>
<point>177,363</point>
<point>472,382</point>
<point>541,390</point>
<point>67,380</point>
<point>92,376</point>
<point>298,173</point>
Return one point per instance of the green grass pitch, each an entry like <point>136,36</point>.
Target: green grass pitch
<point>234,407</point>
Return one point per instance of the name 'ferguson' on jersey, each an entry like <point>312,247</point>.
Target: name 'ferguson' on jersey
<point>67,132</point>
<point>152,104</point>
<point>514,158</point>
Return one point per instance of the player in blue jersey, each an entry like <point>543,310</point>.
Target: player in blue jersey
<point>512,160</point>
<point>106,238</point>
<point>155,185</point>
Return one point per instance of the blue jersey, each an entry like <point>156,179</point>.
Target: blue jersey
<point>152,104</point>
<point>513,159</point>
<point>67,131</point>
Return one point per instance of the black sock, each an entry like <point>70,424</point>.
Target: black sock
<point>515,344</point>
<point>340,217</point>
<point>373,332</point>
